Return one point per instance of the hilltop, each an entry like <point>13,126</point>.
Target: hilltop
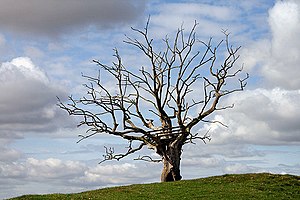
<point>242,186</point>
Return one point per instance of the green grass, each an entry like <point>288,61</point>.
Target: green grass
<point>245,186</point>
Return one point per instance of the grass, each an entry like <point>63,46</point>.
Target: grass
<point>244,186</point>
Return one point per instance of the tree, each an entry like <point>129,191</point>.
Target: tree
<point>157,105</point>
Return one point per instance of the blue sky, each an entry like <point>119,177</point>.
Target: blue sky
<point>46,45</point>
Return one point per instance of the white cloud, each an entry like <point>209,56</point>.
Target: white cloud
<point>53,168</point>
<point>239,168</point>
<point>260,117</point>
<point>73,176</point>
<point>21,67</point>
<point>8,154</point>
<point>240,18</point>
<point>115,174</point>
<point>204,162</point>
<point>40,170</point>
<point>278,59</point>
<point>213,12</point>
<point>217,151</point>
<point>28,99</point>
<point>211,18</point>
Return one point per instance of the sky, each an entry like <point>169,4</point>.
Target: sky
<point>46,45</point>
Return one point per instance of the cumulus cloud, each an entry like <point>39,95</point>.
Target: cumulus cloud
<point>21,66</point>
<point>53,18</point>
<point>278,59</point>
<point>23,177</point>
<point>28,99</point>
<point>68,174</point>
<point>53,168</point>
<point>260,117</point>
<point>114,174</point>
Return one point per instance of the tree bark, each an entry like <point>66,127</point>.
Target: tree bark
<point>171,164</point>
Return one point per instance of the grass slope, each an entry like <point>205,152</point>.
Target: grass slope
<point>244,186</point>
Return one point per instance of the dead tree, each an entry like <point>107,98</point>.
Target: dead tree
<point>158,104</point>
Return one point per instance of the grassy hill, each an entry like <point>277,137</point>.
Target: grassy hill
<point>244,186</point>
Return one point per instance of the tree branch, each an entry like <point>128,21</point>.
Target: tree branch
<point>110,152</point>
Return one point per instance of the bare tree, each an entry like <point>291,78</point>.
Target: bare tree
<point>157,105</point>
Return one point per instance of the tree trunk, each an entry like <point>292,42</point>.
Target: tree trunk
<point>171,165</point>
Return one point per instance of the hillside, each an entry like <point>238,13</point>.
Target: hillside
<point>244,186</point>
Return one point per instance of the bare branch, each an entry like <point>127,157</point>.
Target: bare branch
<point>148,159</point>
<point>110,152</point>
<point>206,137</point>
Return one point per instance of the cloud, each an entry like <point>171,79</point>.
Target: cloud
<point>28,99</point>
<point>278,59</point>
<point>54,17</point>
<point>52,168</point>
<point>211,18</point>
<point>21,67</point>
<point>117,174</point>
<point>40,170</point>
<point>288,169</point>
<point>260,116</point>
<point>220,13</point>
<point>205,162</point>
<point>8,154</point>
<point>4,49</point>
<point>73,176</point>
<point>2,40</point>
<point>33,52</point>
<point>239,168</point>
<point>224,150</point>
